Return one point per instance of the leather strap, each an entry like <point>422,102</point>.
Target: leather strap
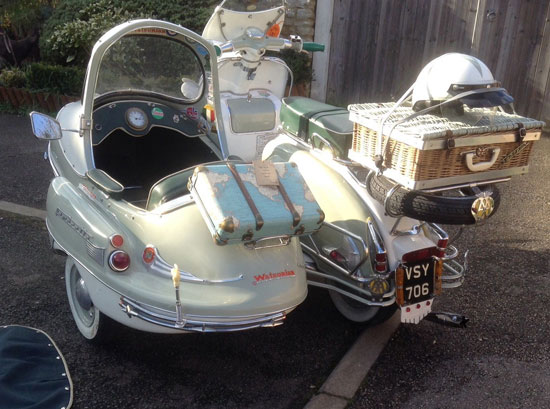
<point>248,198</point>
<point>295,215</point>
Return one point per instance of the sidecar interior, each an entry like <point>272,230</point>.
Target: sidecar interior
<point>137,163</point>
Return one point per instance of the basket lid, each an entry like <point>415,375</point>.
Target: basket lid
<point>426,127</point>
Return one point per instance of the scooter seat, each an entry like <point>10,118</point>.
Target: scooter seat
<point>318,124</point>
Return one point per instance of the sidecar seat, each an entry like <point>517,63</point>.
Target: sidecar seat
<point>318,123</point>
<point>169,188</point>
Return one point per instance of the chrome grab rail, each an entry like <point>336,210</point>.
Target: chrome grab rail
<point>196,323</point>
<point>352,272</point>
<point>365,297</point>
<point>256,244</point>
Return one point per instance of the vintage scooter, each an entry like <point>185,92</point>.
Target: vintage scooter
<point>380,247</point>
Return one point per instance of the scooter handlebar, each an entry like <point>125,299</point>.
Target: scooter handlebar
<point>310,46</point>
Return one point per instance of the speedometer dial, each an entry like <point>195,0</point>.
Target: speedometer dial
<point>137,119</point>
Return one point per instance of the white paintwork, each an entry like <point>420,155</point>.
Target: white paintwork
<point>248,146</point>
<point>235,23</point>
<point>71,142</point>
<point>271,74</point>
<point>414,313</point>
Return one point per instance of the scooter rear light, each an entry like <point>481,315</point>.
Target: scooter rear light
<point>149,255</point>
<point>336,256</point>
<point>116,241</point>
<point>419,255</point>
<point>381,262</point>
<point>119,261</point>
<point>441,246</point>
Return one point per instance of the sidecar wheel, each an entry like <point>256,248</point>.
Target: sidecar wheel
<point>351,309</point>
<point>429,207</point>
<point>91,323</point>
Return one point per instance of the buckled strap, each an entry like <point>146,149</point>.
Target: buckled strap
<point>248,198</point>
<point>295,215</point>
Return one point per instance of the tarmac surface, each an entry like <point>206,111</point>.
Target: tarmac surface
<point>500,361</point>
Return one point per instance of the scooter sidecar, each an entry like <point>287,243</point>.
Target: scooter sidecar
<point>120,208</point>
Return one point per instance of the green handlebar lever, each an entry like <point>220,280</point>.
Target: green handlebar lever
<point>313,47</point>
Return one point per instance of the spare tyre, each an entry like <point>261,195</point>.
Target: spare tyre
<point>436,208</point>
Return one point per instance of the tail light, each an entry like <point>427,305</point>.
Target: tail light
<point>419,255</point>
<point>119,261</point>
<point>337,257</point>
<point>441,246</point>
<point>149,255</point>
<point>116,241</point>
<point>381,265</point>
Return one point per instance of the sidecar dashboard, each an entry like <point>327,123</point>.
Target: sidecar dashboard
<point>138,117</point>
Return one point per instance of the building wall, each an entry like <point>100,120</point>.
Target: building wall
<point>300,19</point>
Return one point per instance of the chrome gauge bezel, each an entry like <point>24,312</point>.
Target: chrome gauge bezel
<point>131,124</point>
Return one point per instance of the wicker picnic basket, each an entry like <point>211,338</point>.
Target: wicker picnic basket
<point>431,151</point>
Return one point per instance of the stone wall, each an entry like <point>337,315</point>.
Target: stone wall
<point>300,19</point>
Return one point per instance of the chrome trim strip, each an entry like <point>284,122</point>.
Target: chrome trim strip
<point>441,182</point>
<point>474,184</point>
<point>164,269</point>
<point>197,323</point>
<point>95,252</point>
<point>256,244</point>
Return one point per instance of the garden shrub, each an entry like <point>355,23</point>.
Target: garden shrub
<point>12,77</point>
<point>55,79</point>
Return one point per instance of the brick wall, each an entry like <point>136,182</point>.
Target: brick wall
<point>300,19</point>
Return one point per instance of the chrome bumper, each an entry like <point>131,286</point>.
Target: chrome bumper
<point>194,323</point>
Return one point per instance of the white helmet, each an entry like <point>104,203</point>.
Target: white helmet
<point>452,74</point>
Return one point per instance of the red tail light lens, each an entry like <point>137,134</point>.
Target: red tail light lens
<point>381,262</point>
<point>418,255</point>
<point>119,261</point>
<point>441,246</point>
<point>117,241</point>
<point>336,256</point>
<point>149,255</point>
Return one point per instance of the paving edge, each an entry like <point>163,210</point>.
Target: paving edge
<point>22,210</point>
<point>344,381</point>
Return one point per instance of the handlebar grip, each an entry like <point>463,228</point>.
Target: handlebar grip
<point>313,47</point>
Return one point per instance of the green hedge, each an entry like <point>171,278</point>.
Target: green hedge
<point>55,79</point>
<point>41,77</point>
<point>75,25</point>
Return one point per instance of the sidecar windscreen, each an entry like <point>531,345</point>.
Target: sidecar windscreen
<point>156,64</point>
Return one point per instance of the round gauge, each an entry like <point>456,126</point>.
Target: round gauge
<point>136,119</point>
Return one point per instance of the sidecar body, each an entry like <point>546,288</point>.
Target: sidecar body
<point>120,207</point>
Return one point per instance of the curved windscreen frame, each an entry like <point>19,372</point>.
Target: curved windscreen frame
<point>153,63</point>
<point>251,5</point>
<point>113,35</point>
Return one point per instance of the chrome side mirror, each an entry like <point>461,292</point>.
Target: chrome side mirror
<point>45,127</point>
